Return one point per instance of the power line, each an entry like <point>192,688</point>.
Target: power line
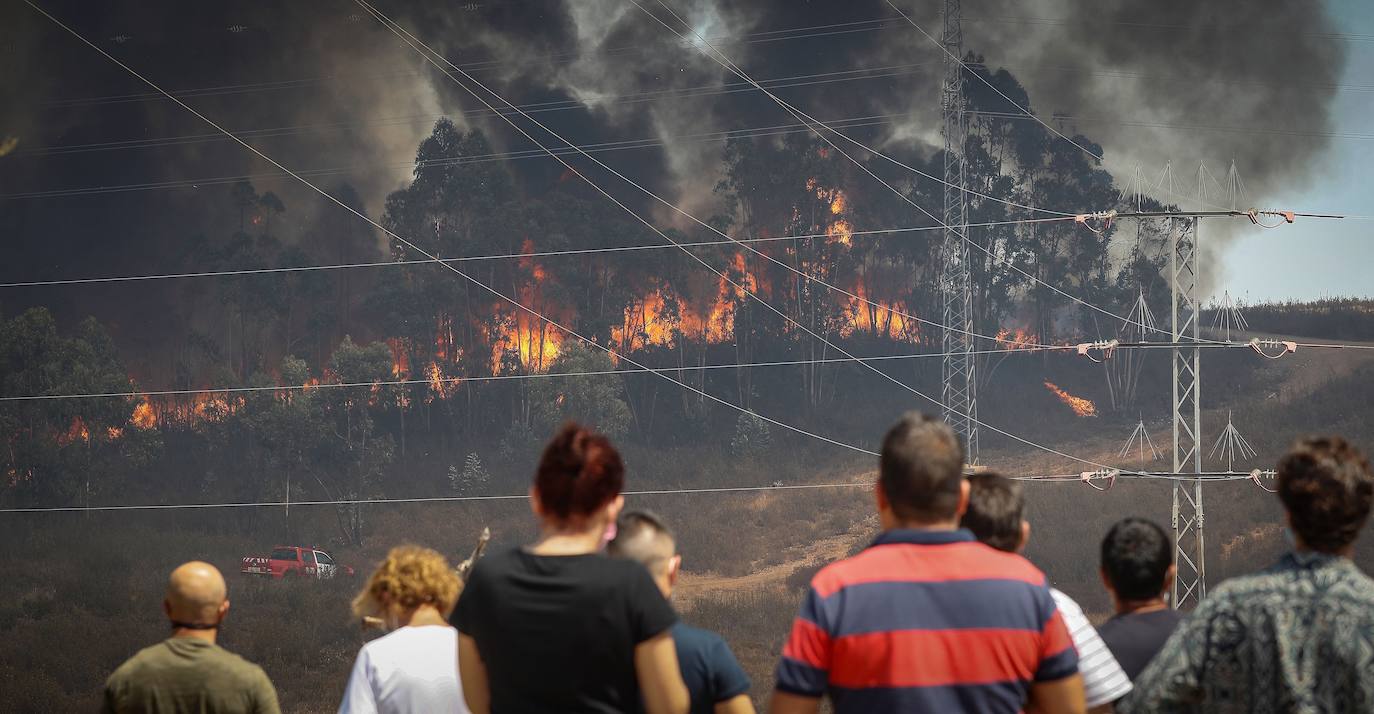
<point>850,75</point>
<point>1028,348</point>
<point>768,36</point>
<point>422,499</point>
<point>1049,478</point>
<point>416,248</point>
<point>709,137</point>
<point>1098,20</point>
<point>136,394</point>
<point>502,256</point>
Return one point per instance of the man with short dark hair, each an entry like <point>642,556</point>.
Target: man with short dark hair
<point>714,679</point>
<point>188,672</point>
<point>927,619</point>
<point>995,515</point>
<point>1138,570</point>
<point>1298,637</point>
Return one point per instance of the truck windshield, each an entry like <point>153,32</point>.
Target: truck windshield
<point>284,554</point>
<point>323,559</point>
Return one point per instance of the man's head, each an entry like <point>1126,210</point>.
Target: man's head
<point>1326,486</point>
<point>995,512</point>
<point>1137,563</point>
<point>921,474</point>
<point>642,536</point>
<point>197,598</point>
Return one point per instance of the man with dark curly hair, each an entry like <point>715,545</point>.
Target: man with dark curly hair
<point>1298,637</point>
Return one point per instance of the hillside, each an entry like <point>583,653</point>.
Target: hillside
<point>747,555</point>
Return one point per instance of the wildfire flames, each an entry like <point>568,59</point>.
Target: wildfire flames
<point>1080,406</point>
<point>143,416</point>
<point>840,229</point>
<point>879,319</point>
<point>1018,339</point>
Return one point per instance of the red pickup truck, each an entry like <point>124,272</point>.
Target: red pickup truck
<point>294,560</point>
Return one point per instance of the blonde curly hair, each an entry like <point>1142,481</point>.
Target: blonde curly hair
<point>409,577</point>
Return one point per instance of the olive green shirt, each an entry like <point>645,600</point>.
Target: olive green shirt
<point>187,675</point>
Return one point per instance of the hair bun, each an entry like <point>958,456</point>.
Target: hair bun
<point>579,472</point>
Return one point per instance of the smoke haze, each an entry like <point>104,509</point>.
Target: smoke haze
<point>328,91</point>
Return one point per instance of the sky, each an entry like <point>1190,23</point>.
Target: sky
<point>1318,259</point>
<point>321,87</point>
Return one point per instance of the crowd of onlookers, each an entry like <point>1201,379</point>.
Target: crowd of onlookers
<point>940,613</point>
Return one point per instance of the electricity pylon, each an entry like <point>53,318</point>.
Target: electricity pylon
<point>1187,515</point>
<point>958,395</point>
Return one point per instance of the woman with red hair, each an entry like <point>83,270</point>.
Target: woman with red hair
<point>556,626</point>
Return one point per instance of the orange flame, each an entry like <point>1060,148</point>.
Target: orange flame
<point>840,229</point>
<point>76,432</point>
<point>114,433</point>
<point>143,416</point>
<point>1080,406</point>
<point>883,319</point>
<point>1018,339</point>
<point>400,361</point>
<point>438,384</point>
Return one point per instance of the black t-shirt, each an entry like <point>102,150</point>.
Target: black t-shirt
<point>709,668</point>
<point>558,633</point>
<point>1135,638</point>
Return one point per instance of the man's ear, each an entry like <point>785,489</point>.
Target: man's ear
<point>616,506</point>
<point>223,610</point>
<point>674,567</point>
<point>1025,535</point>
<point>167,609</point>
<point>1169,576</point>
<point>964,490</point>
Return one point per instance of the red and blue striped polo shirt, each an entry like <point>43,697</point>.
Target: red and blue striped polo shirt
<point>926,621</point>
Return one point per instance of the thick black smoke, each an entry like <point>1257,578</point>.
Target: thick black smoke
<point>326,89</point>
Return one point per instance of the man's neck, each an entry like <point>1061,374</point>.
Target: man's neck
<point>207,635</point>
<point>914,526</point>
<point>1140,607</point>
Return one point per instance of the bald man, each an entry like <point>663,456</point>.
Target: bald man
<point>188,672</point>
<point>716,682</point>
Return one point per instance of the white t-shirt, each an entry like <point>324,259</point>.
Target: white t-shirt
<point>1103,679</point>
<point>414,669</point>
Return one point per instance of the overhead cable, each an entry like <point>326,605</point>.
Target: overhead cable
<point>501,256</point>
<point>457,380</point>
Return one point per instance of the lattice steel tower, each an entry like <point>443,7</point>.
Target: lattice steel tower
<point>958,397</point>
<point>1185,314</point>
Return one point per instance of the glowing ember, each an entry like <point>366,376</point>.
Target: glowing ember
<point>76,432</point>
<point>1080,406</point>
<point>114,432</point>
<point>400,361</point>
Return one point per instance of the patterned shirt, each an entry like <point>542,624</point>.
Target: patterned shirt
<point>926,621</point>
<point>1298,637</point>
